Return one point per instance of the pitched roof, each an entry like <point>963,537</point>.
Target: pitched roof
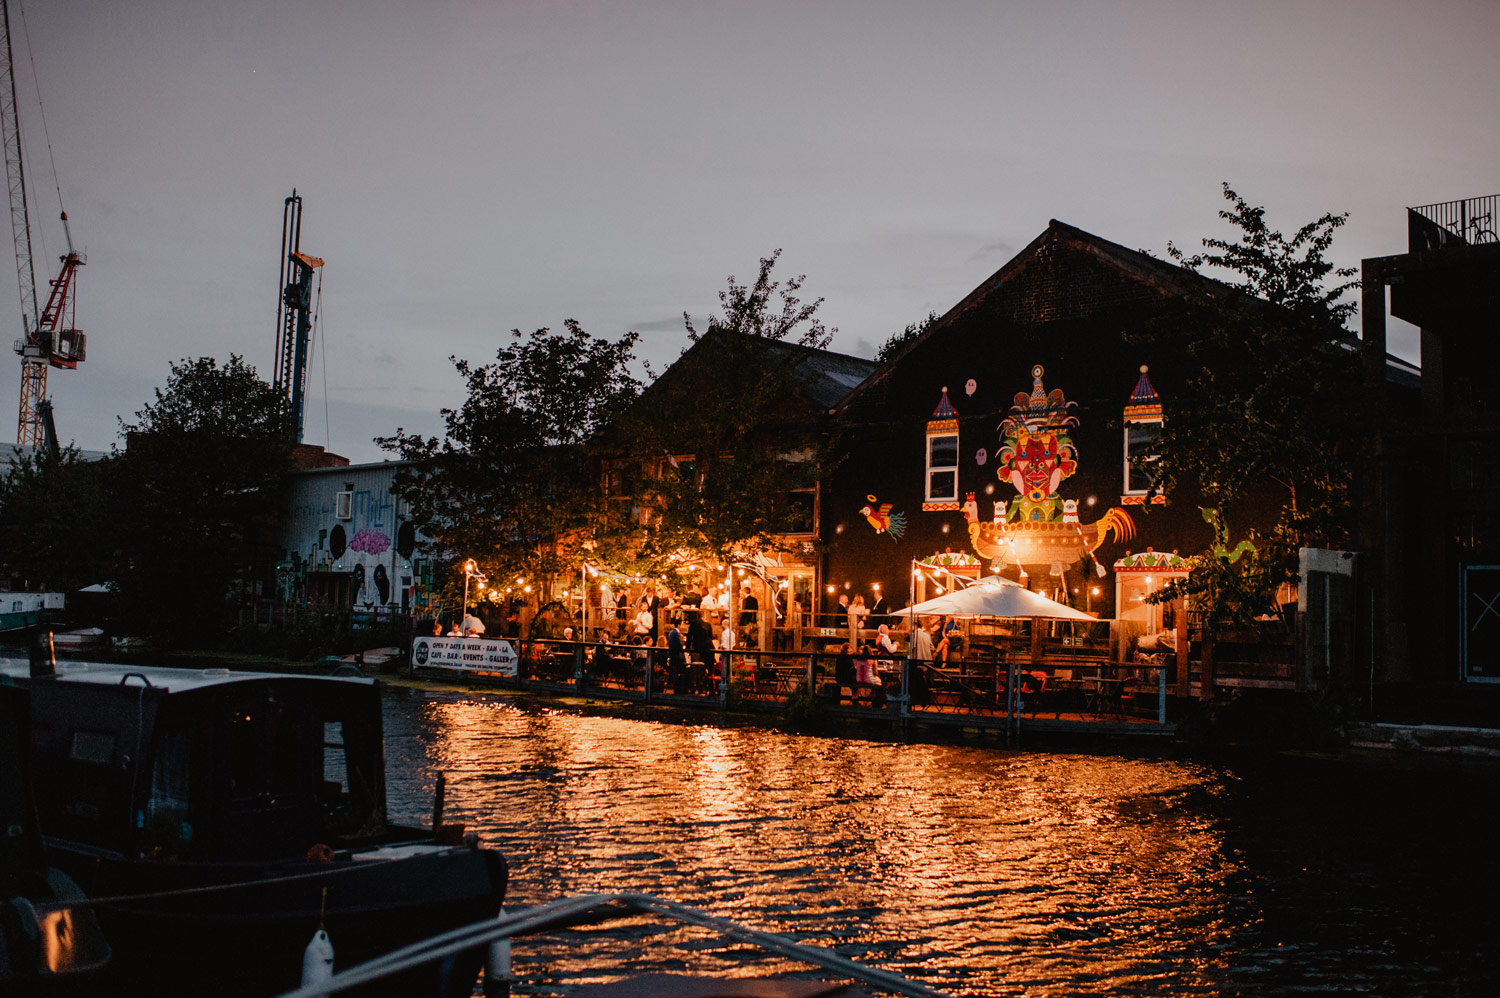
<point>1152,276</point>
<point>823,377</point>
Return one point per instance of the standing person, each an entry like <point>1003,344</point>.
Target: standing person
<point>880,611</point>
<point>606,604</point>
<point>857,613</point>
<point>749,615</point>
<point>654,604</point>
<point>726,644</point>
<point>920,647</point>
<point>918,654</point>
<point>701,640</point>
<point>645,621</point>
<point>471,626</point>
<point>677,673</point>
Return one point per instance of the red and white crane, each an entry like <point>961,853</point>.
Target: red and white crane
<point>52,338</point>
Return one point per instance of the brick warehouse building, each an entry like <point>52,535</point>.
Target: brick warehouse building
<point>1067,304</point>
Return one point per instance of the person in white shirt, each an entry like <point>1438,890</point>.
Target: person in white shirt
<point>471,626</point>
<point>726,635</point>
<point>883,641</point>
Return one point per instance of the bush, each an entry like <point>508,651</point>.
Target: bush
<point>803,710</point>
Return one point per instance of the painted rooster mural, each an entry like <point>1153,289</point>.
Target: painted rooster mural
<point>1039,531</point>
<point>883,520</point>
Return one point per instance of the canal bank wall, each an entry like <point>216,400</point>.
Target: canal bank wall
<point>1257,720</point>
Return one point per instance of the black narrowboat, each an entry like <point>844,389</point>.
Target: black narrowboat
<point>219,819</point>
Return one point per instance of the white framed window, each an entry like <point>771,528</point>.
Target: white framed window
<point>343,505</point>
<point>1141,444</point>
<point>942,469</point>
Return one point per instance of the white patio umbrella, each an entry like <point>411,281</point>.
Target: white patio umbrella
<point>994,597</point>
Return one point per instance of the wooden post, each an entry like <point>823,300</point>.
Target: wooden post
<point>1179,613</point>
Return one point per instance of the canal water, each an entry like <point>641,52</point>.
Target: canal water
<point>979,870</point>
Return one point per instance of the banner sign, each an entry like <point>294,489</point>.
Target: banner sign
<point>475,654</point>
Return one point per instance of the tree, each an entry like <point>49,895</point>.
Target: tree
<point>898,341</point>
<point>509,484</point>
<point>54,522</point>
<point>1267,412</point>
<point>747,310</point>
<point>199,485</point>
<point>725,435</point>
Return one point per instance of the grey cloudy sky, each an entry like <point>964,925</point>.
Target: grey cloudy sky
<point>471,167</point>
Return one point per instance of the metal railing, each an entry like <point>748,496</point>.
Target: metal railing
<point>1452,223</point>
<point>1025,679</point>
<point>589,908</point>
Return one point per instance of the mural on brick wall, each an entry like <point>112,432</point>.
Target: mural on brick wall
<point>1039,531</point>
<point>882,519</point>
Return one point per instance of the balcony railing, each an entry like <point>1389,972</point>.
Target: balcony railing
<point>1452,223</point>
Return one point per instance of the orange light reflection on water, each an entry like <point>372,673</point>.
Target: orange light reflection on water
<point>952,863</point>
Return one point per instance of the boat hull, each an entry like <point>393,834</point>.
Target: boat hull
<point>232,929</point>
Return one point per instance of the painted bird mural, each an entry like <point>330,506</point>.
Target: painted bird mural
<point>1042,546</point>
<point>883,520</point>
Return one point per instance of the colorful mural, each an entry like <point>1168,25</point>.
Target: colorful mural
<point>1039,532</point>
<point>883,520</point>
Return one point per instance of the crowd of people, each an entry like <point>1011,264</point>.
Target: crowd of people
<point>701,638</point>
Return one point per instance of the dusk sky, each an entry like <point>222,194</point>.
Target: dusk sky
<point>468,168</point>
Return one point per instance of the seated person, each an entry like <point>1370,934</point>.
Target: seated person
<point>955,639</point>
<point>865,673</point>
<point>843,668</point>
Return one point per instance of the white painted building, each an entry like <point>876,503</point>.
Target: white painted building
<point>346,542</point>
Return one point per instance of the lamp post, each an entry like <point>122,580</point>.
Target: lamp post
<point>470,570</point>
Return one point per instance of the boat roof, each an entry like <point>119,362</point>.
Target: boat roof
<point>169,679</point>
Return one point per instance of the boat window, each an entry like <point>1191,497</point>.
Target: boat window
<point>93,746</point>
<point>264,751</point>
<point>168,830</point>
<point>335,759</point>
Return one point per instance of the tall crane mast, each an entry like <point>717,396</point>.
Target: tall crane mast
<point>51,338</point>
<point>294,315</point>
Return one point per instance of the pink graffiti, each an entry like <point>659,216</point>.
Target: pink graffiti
<point>370,542</point>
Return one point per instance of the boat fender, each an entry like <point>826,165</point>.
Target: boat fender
<point>497,965</point>
<point>317,960</point>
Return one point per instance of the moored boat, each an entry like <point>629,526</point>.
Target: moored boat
<point>219,819</point>
<point>50,942</point>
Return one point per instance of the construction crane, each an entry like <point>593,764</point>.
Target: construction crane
<point>294,314</point>
<point>51,338</point>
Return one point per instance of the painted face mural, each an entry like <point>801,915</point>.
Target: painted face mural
<point>1036,451</point>
<point>1037,466</point>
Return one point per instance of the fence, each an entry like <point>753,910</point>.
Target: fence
<point>982,690</point>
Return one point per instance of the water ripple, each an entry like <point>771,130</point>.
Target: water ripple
<point>981,871</point>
